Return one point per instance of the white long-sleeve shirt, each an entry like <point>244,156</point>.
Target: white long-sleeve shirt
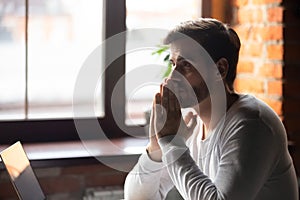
<point>244,158</point>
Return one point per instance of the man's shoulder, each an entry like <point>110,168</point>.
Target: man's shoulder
<point>248,107</point>
<point>251,114</point>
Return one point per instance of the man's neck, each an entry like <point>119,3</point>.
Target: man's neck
<point>204,110</point>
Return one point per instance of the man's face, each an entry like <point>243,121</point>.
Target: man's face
<point>188,72</point>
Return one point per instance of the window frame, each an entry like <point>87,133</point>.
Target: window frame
<point>54,130</point>
<point>60,130</point>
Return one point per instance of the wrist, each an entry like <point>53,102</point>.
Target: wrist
<point>154,153</point>
<point>171,140</point>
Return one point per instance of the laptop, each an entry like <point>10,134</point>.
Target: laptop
<point>21,174</point>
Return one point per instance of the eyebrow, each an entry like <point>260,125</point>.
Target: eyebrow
<point>188,59</point>
<point>180,58</point>
<point>177,60</point>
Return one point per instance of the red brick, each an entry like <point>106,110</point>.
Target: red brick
<point>243,32</point>
<point>271,70</point>
<point>245,67</point>
<point>275,51</point>
<point>275,14</point>
<point>240,3</point>
<point>251,85</point>
<point>260,2</point>
<point>268,33</point>
<point>254,49</point>
<point>274,33</point>
<point>249,15</point>
<point>275,87</point>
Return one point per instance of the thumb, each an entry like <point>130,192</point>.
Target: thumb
<point>190,123</point>
<point>188,118</point>
<point>193,122</point>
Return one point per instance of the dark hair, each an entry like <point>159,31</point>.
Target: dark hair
<point>219,40</point>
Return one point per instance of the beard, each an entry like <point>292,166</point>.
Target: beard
<point>192,96</point>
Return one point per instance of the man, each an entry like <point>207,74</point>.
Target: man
<point>237,154</point>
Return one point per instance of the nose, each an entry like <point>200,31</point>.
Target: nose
<point>175,76</point>
<point>176,79</point>
<point>175,71</point>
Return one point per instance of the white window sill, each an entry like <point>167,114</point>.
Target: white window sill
<point>74,152</point>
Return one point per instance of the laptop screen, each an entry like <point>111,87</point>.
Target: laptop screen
<point>21,174</point>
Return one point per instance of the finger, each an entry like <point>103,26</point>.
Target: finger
<point>176,90</point>
<point>151,125</point>
<point>175,93</point>
<point>166,79</point>
<point>188,118</point>
<point>157,99</point>
<point>165,98</point>
<point>157,106</point>
<point>177,105</point>
<point>172,101</point>
<point>193,122</point>
<point>152,111</point>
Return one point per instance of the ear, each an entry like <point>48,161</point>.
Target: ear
<point>223,66</point>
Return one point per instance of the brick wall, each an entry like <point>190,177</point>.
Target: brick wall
<point>269,66</point>
<point>67,182</point>
<point>259,24</point>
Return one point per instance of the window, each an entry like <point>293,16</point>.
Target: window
<point>44,44</point>
<point>60,36</point>
<point>38,66</point>
<point>12,53</point>
<point>158,15</point>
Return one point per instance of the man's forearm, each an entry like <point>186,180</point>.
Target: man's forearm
<point>184,173</point>
<point>154,153</point>
<point>147,180</point>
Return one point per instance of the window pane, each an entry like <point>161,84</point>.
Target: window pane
<point>62,34</point>
<point>150,14</point>
<point>12,62</point>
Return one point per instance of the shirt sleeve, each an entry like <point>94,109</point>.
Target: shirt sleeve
<point>147,180</point>
<point>247,157</point>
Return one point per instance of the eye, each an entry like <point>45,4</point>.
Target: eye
<point>186,65</point>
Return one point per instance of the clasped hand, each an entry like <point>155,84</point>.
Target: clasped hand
<point>166,117</point>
